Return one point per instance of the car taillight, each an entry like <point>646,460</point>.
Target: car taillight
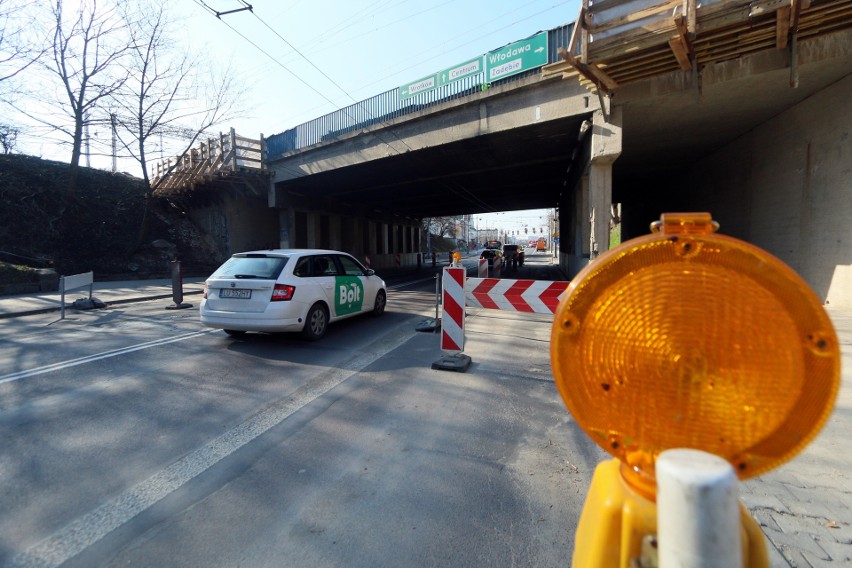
<point>282,292</point>
<point>204,293</point>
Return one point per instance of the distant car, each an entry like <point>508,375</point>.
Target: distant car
<point>513,256</point>
<point>289,290</point>
<point>492,250</point>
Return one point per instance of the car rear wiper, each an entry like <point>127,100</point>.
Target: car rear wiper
<point>246,276</point>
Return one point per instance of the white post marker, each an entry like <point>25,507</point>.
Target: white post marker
<point>68,283</point>
<point>698,514</point>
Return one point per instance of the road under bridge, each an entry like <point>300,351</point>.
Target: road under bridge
<point>750,122</point>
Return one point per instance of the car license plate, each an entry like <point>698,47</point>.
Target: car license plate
<point>238,293</point>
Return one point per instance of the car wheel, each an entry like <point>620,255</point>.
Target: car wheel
<point>316,323</point>
<point>381,302</point>
<point>234,332</point>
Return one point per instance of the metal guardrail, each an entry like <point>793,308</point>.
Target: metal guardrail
<point>389,105</point>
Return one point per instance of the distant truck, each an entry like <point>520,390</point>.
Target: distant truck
<point>541,244</point>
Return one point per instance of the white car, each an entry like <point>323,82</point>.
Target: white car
<point>289,290</point>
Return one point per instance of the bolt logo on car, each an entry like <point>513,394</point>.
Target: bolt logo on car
<point>350,295</point>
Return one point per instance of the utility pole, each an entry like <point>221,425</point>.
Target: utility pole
<point>88,147</point>
<point>114,143</point>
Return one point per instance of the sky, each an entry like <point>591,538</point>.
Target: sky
<point>300,59</point>
<point>323,55</point>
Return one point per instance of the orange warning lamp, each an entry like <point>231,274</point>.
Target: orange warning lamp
<point>689,339</point>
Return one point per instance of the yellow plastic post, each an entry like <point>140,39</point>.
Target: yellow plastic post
<point>616,518</point>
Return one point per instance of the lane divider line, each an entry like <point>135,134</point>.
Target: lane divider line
<point>97,357</point>
<point>86,530</point>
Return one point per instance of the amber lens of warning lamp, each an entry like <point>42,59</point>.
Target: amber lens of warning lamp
<point>689,339</point>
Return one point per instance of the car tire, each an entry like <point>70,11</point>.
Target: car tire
<point>316,323</point>
<point>380,303</point>
<point>234,332</point>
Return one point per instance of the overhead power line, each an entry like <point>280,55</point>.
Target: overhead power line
<point>463,193</point>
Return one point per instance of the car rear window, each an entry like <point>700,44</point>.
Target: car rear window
<point>252,266</point>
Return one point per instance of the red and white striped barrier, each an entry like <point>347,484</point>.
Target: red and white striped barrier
<point>452,321</point>
<point>498,266</point>
<point>483,268</point>
<point>539,296</point>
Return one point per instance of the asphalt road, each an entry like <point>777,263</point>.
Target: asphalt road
<point>135,437</point>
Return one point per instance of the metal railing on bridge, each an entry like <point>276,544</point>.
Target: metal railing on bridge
<point>215,158</point>
<point>389,105</point>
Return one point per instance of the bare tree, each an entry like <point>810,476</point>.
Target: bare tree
<point>165,93</point>
<point>8,138</point>
<point>444,226</point>
<point>15,53</point>
<point>88,46</point>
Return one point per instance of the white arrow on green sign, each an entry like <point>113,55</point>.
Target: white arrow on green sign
<point>516,57</point>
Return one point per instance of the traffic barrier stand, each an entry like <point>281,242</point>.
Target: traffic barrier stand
<point>530,296</point>
<point>483,268</point>
<point>452,322</point>
<point>538,296</point>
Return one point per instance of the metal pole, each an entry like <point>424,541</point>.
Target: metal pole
<point>177,288</point>
<point>437,299</point>
<point>61,297</point>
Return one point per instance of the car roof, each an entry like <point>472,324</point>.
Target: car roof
<point>290,252</point>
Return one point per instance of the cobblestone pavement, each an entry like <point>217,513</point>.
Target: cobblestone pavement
<point>805,506</point>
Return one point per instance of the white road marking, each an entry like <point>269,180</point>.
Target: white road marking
<point>97,356</point>
<point>412,283</point>
<point>93,526</point>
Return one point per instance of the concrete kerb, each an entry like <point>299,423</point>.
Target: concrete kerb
<point>113,293</point>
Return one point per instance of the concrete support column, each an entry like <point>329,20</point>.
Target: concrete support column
<point>371,238</point>
<point>313,230</point>
<point>605,149</point>
<point>600,198</point>
<point>286,228</point>
<point>335,228</point>
<point>385,229</point>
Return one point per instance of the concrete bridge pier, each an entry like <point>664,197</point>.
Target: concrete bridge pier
<point>586,223</point>
<point>606,148</point>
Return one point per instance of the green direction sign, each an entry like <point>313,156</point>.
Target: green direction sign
<point>460,71</point>
<point>419,86</point>
<point>516,58</point>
